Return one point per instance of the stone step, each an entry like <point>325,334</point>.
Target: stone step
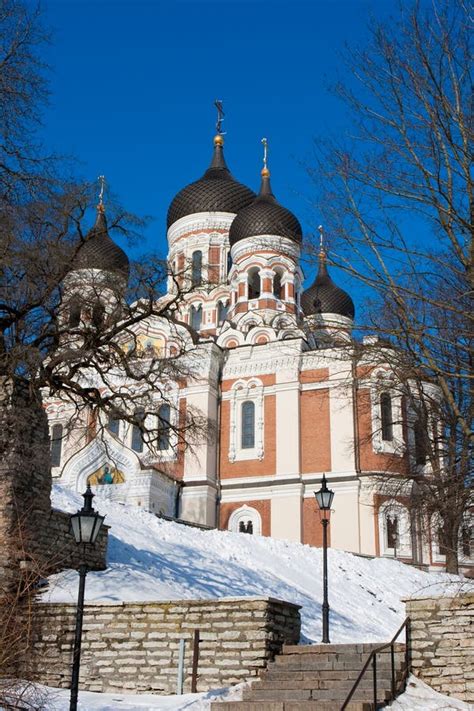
<point>334,694</point>
<point>289,706</point>
<point>291,675</point>
<point>349,662</point>
<point>361,648</point>
<point>323,683</point>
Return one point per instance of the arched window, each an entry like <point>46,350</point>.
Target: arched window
<point>254,287</point>
<point>391,528</point>
<point>196,268</point>
<point>164,427</point>
<point>74,313</point>
<point>137,434</point>
<point>466,540</point>
<point>419,434</point>
<point>248,425</point>
<point>229,262</point>
<point>386,417</point>
<point>98,312</point>
<point>113,426</point>
<point>222,310</point>
<point>245,520</point>
<point>196,317</point>
<point>56,445</point>
<point>278,288</point>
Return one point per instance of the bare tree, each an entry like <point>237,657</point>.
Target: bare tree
<point>397,197</point>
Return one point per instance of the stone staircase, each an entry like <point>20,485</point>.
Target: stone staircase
<point>319,678</point>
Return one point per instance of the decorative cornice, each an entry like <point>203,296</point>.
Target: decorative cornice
<point>199,222</point>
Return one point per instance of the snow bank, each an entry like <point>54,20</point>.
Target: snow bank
<point>418,697</point>
<point>152,559</point>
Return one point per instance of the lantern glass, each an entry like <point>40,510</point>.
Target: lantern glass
<point>86,523</point>
<point>86,526</point>
<point>324,496</point>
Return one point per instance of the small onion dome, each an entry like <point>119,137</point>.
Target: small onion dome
<point>324,297</point>
<point>216,191</point>
<point>99,251</point>
<point>265,216</point>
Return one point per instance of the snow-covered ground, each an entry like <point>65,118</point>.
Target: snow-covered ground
<point>418,697</point>
<point>152,559</point>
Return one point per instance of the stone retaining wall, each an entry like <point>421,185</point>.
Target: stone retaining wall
<point>443,643</point>
<point>133,647</point>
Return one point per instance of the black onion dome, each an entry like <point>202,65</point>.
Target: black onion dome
<point>216,191</point>
<point>265,216</point>
<point>323,296</point>
<point>99,251</point>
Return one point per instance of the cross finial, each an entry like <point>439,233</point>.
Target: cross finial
<point>322,250</point>
<point>220,117</point>
<point>101,180</point>
<point>265,152</point>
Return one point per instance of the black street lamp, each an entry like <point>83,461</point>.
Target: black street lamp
<point>324,498</point>
<point>85,527</point>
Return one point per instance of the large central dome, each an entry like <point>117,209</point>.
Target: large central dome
<point>216,191</point>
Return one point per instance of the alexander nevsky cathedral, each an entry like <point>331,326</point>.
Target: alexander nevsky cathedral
<point>275,374</point>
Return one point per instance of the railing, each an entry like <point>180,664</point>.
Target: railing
<point>395,687</point>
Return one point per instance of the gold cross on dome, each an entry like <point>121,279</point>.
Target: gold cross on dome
<point>101,180</point>
<point>220,116</point>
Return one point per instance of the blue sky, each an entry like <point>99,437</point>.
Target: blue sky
<point>133,85</point>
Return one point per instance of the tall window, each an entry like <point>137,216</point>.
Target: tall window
<point>164,427</point>
<point>196,268</point>
<point>391,523</point>
<point>229,262</point>
<point>248,425</point>
<point>419,435</point>
<point>74,313</point>
<point>466,540</point>
<point>113,425</point>
<point>222,310</point>
<point>56,445</point>
<point>137,434</point>
<point>278,288</point>
<point>386,417</point>
<point>254,287</point>
<point>196,317</point>
<point>98,312</point>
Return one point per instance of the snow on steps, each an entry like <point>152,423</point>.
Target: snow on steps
<point>318,678</point>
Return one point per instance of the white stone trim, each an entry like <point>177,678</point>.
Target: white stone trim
<point>245,513</point>
<point>200,222</point>
<point>381,381</point>
<point>244,390</point>
<point>395,509</point>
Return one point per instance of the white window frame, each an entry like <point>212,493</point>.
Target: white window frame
<point>243,390</point>
<point>396,445</point>
<point>245,513</point>
<point>398,510</point>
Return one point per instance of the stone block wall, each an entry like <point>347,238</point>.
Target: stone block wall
<point>443,643</point>
<point>33,537</point>
<point>134,647</point>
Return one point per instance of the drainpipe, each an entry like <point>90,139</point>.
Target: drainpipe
<point>355,423</point>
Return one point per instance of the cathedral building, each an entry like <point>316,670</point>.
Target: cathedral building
<point>276,372</point>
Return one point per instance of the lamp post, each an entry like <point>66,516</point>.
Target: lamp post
<point>85,527</point>
<point>324,498</point>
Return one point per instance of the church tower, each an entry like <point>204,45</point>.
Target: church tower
<point>265,278</point>
<point>199,219</point>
